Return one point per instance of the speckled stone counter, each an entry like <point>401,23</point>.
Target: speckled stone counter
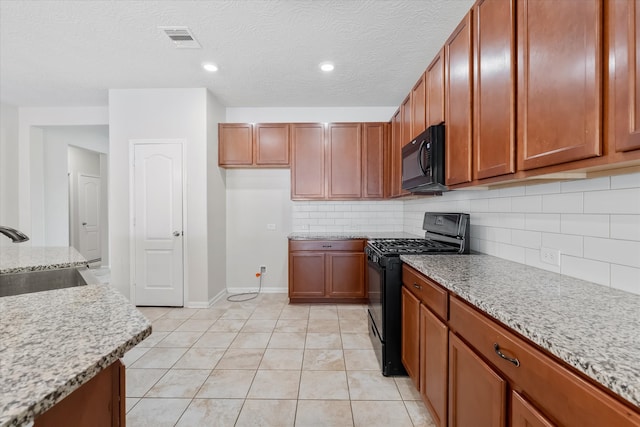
<point>591,327</point>
<point>52,342</point>
<point>20,257</point>
<point>336,235</point>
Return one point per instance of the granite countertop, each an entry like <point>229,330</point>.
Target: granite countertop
<point>20,257</point>
<point>591,327</point>
<point>53,342</point>
<point>348,235</point>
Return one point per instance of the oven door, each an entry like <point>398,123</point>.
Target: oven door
<point>376,287</point>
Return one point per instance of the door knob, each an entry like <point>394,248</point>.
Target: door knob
<point>176,233</point>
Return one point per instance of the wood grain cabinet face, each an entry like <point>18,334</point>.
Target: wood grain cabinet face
<point>373,159</point>
<point>235,144</point>
<point>524,414</point>
<point>410,349</point>
<point>477,394</point>
<point>559,81</point>
<point>418,107</point>
<point>306,274</point>
<point>344,164</point>
<point>434,364</point>
<point>624,79</point>
<point>346,275</point>
<point>494,88</point>
<point>271,144</point>
<point>308,163</point>
<point>434,78</point>
<point>458,97</point>
<point>395,155</point>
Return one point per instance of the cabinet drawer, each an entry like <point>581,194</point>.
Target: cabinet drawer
<point>561,395</point>
<point>427,291</point>
<point>327,245</point>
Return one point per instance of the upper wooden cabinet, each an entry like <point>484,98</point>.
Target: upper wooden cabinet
<point>395,156</point>
<point>418,107</point>
<point>434,79</point>
<point>405,109</point>
<point>235,144</point>
<point>374,145</point>
<point>246,145</point>
<point>458,97</point>
<point>308,161</point>
<point>344,162</point>
<point>624,75</point>
<point>494,135</point>
<point>559,81</point>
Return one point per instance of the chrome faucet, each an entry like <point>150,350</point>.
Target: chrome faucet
<point>15,235</point>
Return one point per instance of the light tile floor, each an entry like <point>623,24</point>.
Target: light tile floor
<point>264,363</point>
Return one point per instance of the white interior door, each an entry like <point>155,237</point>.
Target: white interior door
<point>88,223</point>
<point>158,224</point>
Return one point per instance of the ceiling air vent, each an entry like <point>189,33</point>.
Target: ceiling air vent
<point>181,37</point>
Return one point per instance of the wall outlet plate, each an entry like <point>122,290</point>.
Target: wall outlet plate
<point>263,269</point>
<point>550,256</point>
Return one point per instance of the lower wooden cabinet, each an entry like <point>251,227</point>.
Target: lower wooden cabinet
<point>327,270</point>
<point>524,414</point>
<point>434,363</point>
<point>477,393</point>
<point>99,402</point>
<point>410,350</point>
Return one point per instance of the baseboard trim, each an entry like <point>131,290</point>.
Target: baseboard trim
<point>269,290</point>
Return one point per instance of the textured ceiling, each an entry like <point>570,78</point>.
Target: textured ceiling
<point>69,53</point>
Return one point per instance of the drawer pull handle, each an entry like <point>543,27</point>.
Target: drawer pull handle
<point>513,360</point>
<point>326,246</point>
<point>417,286</point>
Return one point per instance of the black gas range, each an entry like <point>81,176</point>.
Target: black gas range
<point>445,233</point>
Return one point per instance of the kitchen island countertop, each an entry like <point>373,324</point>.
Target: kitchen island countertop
<point>19,257</point>
<point>593,328</point>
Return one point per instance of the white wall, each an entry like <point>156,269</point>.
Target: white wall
<point>256,198</point>
<point>595,223</point>
<point>8,168</point>
<point>156,114</point>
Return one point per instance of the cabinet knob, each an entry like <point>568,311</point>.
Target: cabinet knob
<point>415,285</point>
<point>513,360</point>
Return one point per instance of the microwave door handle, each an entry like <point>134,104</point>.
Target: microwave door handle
<point>422,147</point>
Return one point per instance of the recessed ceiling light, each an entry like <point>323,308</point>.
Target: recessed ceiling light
<point>326,67</point>
<point>210,67</point>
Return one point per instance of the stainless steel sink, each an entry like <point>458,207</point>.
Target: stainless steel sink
<point>42,280</point>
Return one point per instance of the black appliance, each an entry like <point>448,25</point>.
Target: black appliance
<point>445,233</point>
<point>423,162</point>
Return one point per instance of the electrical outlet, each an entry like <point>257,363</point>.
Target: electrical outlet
<point>263,269</point>
<point>271,227</point>
<point>550,256</point>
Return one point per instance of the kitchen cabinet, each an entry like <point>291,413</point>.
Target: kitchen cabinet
<point>458,98</point>
<point>308,161</point>
<point>418,108</point>
<point>524,414</point>
<point>243,145</point>
<point>477,395</point>
<point>327,270</point>
<point>375,147</point>
<point>406,115</point>
<point>434,78</point>
<point>344,162</point>
<point>99,402</point>
<point>410,350</point>
<point>395,156</point>
<point>494,136</point>
<point>559,81</point>
<point>624,75</point>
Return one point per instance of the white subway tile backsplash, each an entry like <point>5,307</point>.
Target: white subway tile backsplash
<point>585,185</point>
<point>562,203</point>
<point>585,224</point>
<point>510,220</point>
<point>317,214</point>
<point>542,222</point>
<point>500,205</point>
<point>625,227</point>
<point>623,252</point>
<point>512,253</point>
<point>631,180</point>
<point>626,201</point>
<point>567,244</point>
<point>548,188</point>
<point>530,204</point>
<point>526,239</point>
<point>512,191</point>
<point>625,278</point>
<point>586,269</point>
<point>501,235</point>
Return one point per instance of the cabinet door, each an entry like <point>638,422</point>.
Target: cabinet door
<point>395,166</point>
<point>477,394</point>
<point>559,81</point>
<point>405,107</point>
<point>435,90</point>
<point>308,163</point>
<point>494,88</point>
<point>272,144</point>
<point>434,351</point>
<point>374,145</point>
<point>235,145</point>
<point>411,336</point>
<point>418,107</point>
<point>458,90</point>
<point>523,414</point>
<point>624,89</point>
<point>306,274</point>
<point>344,161</point>
<point>345,272</point>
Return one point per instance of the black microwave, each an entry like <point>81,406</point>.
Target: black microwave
<point>423,162</point>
